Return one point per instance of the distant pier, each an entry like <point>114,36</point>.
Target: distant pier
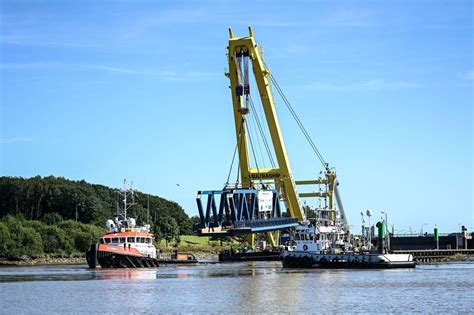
<point>437,255</point>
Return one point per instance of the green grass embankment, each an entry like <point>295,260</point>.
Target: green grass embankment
<point>195,244</point>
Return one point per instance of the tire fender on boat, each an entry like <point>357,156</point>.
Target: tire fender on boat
<point>305,247</point>
<point>307,261</point>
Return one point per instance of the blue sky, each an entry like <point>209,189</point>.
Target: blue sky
<point>106,90</point>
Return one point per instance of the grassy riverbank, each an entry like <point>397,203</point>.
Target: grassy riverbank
<point>192,243</point>
<point>202,247</point>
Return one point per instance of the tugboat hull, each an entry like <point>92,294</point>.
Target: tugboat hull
<point>346,261</point>
<point>117,258</point>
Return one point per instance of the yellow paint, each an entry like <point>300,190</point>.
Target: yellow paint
<point>280,176</point>
<point>284,179</point>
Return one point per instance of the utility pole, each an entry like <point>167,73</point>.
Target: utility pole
<point>148,209</point>
<point>77,205</point>
<point>387,233</point>
<point>369,214</point>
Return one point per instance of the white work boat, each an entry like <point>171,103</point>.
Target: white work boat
<point>324,247</point>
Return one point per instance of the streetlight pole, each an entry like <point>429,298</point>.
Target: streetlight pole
<point>387,232</point>
<point>369,214</point>
<point>421,230</point>
<point>77,205</point>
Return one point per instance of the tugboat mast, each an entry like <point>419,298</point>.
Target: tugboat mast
<point>125,193</point>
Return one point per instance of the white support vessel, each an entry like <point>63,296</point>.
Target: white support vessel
<point>323,247</point>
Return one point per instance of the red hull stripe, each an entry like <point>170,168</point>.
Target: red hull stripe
<point>119,250</point>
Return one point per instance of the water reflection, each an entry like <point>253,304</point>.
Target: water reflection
<point>263,287</point>
<point>125,274</point>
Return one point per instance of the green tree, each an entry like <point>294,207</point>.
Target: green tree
<point>52,218</point>
<point>168,229</point>
<point>52,198</point>
<point>55,240</point>
<point>5,240</point>
<point>24,241</point>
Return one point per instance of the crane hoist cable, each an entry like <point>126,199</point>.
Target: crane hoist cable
<point>237,145</point>
<point>262,133</point>
<point>297,119</point>
<point>253,130</point>
<point>232,163</point>
<point>253,152</point>
<point>243,77</point>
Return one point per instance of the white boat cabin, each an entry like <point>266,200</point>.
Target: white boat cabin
<point>143,243</point>
<point>316,239</point>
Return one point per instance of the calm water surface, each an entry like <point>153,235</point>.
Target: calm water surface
<point>257,287</point>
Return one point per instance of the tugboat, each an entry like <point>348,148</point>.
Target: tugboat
<point>125,245</point>
<point>324,245</point>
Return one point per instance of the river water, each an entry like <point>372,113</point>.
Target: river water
<point>253,287</point>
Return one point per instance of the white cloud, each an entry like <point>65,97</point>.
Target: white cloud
<point>117,69</point>
<point>15,140</point>
<point>370,85</point>
<point>171,75</point>
<point>165,74</point>
<point>470,75</point>
<point>30,41</point>
<point>348,18</point>
<point>27,66</point>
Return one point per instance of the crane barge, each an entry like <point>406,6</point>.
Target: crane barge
<point>251,205</point>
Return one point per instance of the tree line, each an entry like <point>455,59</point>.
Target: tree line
<point>55,200</point>
<point>21,238</point>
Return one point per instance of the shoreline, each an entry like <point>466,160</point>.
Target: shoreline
<point>51,261</point>
<point>204,256</point>
<point>43,261</point>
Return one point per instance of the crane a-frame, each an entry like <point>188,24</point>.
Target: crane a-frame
<point>242,203</point>
<point>239,50</point>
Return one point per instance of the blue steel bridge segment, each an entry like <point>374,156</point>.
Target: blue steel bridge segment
<point>238,213</point>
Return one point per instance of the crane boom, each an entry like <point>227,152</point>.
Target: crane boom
<point>253,206</point>
<point>245,47</point>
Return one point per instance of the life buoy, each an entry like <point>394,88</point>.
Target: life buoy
<point>305,247</point>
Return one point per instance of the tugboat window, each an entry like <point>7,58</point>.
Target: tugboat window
<point>131,239</point>
<point>107,240</point>
<point>122,240</point>
<point>115,240</point>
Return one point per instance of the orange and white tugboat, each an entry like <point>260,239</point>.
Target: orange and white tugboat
<point>125,245</point>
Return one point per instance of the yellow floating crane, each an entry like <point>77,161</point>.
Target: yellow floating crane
<point>243,53</point>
